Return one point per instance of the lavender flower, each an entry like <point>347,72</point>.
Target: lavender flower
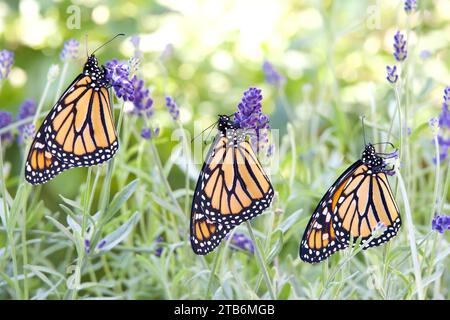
<point>142,101</point>
<point>101,244</point>
<point>27,109</point>
<point>6,62</point>
<point>70,50</point>
<point>250,117</point>
<point>136,40</point>
<point>400,51</point>
<point>159,249</point>
<point>241,241</point>
<point>392,75</point>
<point>118,74</point>
<point>272,76</point>
<point>410,6</point>
<point>148,133</point>
<point>444,123</point>
<point>440,223</point>
<point>87,246</point>
<point>5,120</point>
<point>425,54</point>
<point>173,108</point>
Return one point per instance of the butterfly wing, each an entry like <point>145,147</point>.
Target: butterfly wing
<point>320,239</point>
<point>41,165</point>
<point>205,234</point>
<point>232,186</point>
<point>80,128</point>
<point>366,201</point>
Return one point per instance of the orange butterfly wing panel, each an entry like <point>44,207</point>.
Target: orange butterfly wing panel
<point>233,186</point>
<point>205,234</point>
<point>81,129</point>
<point>320,239</point>
<point>365,204</point>
<point>41,165</point>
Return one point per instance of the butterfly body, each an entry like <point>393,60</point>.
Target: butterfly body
<point>232,188</point>
<point>356,205</point>
<point>78,131</point>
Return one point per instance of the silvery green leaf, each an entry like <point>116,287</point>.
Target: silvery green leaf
<point>286,224</point>
<point>115,237</point>
<point>120,198</point>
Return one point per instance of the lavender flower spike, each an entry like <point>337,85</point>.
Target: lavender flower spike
<point>241,241</point>
<point>400,51</point>
<point>26,110</point>
<point>6,62</point>
<point>410,6</point>
<point>5,120</point>
<point>173,108</point>
<point>440,223</point>
<point>118,74</point>
<point>272,76</point>
<point>392,75</point>
<point>70,50</point>
<point>250,118</point>
<point>444,126</point>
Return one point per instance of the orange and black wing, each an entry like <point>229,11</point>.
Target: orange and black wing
<point>232,186</point>
<point>319,240</point>
<point>205,234</point>
<point>365,204</point>
<point>41,165</point>
<point>80,128</point>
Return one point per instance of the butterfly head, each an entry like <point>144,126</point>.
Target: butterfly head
<point>92,69</point>
<point>225,124</point>
<point>370,157</point>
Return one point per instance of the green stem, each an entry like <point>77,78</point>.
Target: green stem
<point>411,236</point>
<point>213,271</point>
<point>261,262</point>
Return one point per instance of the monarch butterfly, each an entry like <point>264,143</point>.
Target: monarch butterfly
<point>355,205</point>
<point>78,131</point>
<point>232,188</point>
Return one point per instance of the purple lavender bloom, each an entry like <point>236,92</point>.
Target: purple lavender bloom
<point>27,109</point>
<point>410,6</point>
<point>272,76</point>
<point>392,75</point>
<point>87,246</point>
<point>400,51</point>
<point>425,54</point>
<point>70,50</point>
<point>141,98</point>
<point>118,74</point>
<point>440,223</point>
<point>249,109</point>
<point>101,244</point>
<point>148,133</point>
<point>6,119</point>
<point>136,40</point>
<point>444,123</point>
<point>172,106</point>
<point>6,62</point>
<point>159,249</point>
<point>250,118</point>
<point>242,242</point>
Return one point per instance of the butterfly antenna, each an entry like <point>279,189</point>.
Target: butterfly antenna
<point>209,133</point>
<point>117,35</point>
<point>364,130</point>
<point>86,45</point>
<point>203,131</point>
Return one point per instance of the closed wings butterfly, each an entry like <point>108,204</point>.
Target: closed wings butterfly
<point>232,188</point>
<point>357,204</point>
<point>78,131</point>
